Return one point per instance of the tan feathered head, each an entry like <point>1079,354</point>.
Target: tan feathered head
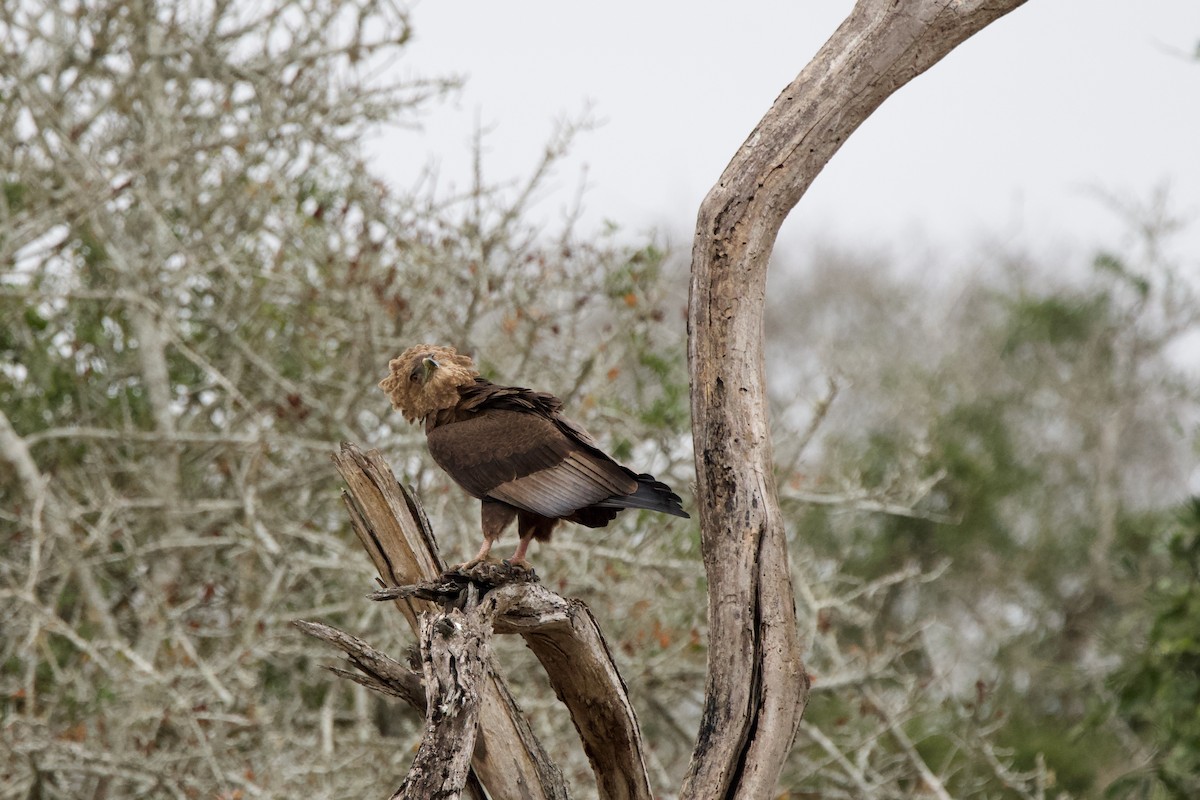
<point>425,378</point>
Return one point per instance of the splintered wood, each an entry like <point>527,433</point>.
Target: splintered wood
<point>476,740</point>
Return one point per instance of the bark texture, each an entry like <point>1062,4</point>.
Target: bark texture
<point>454,650</point>
<point>757,688</point>
<point>568,642</point>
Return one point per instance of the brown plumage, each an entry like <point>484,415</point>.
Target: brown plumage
<point>512,449</point>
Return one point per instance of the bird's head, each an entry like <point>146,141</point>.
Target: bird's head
<point>425,379</point>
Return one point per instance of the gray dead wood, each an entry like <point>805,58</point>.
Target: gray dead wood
<point>757,688</point>
<point>382,673</point>
<point>508,759</point>
<point>372,669</point>
<point>454,653</point>
<point>565,638</point>
<point>568,642</point>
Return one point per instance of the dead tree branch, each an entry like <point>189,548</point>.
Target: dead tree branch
<point>374,670</point>
<point>391,526</point>
<point>756,688</point>
<point>454,648</point>
<point>565,638</point>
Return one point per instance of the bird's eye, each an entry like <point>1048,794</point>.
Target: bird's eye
<point>415,375</point>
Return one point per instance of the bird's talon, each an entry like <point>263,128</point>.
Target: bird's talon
<point>467,566</point>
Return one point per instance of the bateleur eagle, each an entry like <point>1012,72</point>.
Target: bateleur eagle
<point>512,449</point>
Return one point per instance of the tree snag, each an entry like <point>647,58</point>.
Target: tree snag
<point>392,528</point>
<point>456,614</point>
<point>567,641</point>
<point>757,688</point>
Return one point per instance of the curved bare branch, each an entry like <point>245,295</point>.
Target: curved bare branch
<point>757,687</point>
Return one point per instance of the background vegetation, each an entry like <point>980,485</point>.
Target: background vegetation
<point>997,560</point>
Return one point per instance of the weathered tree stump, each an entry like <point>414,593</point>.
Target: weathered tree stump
<point>475,737</point>
<point>566,639</point>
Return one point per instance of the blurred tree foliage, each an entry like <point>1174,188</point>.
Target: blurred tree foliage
<point>202,282</point>
<point>1026,439</point>
<point>1158,689</point>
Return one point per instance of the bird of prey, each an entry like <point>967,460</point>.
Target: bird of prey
<point>512,449</point>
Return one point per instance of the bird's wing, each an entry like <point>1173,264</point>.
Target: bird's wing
<point>525,459</point>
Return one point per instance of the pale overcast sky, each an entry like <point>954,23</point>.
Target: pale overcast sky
<point>1008,139</point>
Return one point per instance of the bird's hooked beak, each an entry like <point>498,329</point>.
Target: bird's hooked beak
<point>429,365</point>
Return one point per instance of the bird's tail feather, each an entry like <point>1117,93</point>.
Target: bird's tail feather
<point>651,495</point>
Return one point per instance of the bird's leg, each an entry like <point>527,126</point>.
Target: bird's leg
<point>531,526</point>
<point>518,556</point>
<point>495,517</point>
<point>479,558</point>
